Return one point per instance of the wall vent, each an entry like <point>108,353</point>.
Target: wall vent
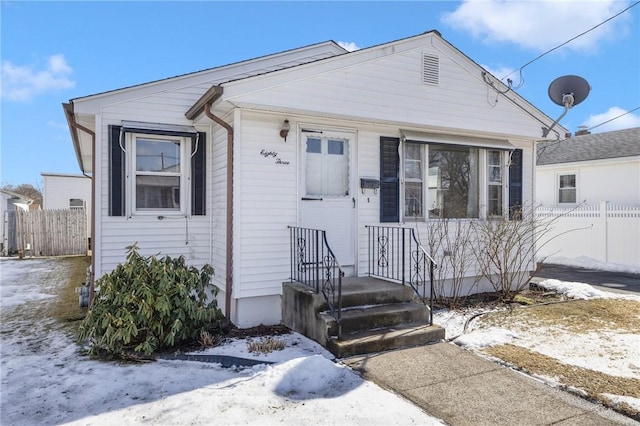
<point>430,69</point>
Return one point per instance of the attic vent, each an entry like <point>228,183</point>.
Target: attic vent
<point>430,69</point>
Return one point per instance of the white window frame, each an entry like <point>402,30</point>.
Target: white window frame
<point>559,175</point>
<point>72,206</point>
<point>483,184</point>
<point>132,173</point>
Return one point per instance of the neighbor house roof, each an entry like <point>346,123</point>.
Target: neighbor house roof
<point>600,146</point>
<point>15,196</point>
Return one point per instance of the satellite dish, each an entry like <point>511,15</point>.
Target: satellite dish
<point>567,91</point>
<point>573,85</point>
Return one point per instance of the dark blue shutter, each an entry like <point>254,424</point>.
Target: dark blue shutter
<point>515,185</point>
<point>116,173</point>
<point>389,180</point>
<point>199,174</point>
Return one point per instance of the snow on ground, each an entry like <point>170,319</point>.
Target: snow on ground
<point>589,263</point>
<point>613,353</point>
<point>45,380</point>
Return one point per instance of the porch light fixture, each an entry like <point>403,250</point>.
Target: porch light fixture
<point>284,130</point>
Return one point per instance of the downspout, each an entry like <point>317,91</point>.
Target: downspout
<point>229,239</point>
<point>68,108</point>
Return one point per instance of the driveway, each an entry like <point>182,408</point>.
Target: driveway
<point>608,280</point>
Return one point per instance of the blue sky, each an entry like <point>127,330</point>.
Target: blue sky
<point>55,51</point>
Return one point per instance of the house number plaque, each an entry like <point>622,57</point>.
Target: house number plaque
<point>273,154</point>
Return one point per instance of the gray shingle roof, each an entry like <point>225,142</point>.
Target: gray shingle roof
<point>599,146</point>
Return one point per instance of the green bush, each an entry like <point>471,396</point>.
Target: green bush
<point>147,304</point>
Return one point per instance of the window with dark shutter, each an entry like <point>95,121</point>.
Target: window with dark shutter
<point>515,185</point>
<point>389,180</point>
<point>198,174</point>
<point>116,173</point>
<point>150,193</point>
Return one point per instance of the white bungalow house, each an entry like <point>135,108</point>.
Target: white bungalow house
<point>593,182</point>
<point>224,165</point>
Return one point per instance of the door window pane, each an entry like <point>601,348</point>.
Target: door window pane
<point>314,145</point>
<point>327,167</point>
<point>336,147</point>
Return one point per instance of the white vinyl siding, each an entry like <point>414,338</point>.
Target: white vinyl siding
<point>266,200</point>
<point>459,101</point>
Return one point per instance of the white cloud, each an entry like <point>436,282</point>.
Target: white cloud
<point>627,121</point>
<point>22,83</point>
<point>348,45</point>
<point>541,24</point>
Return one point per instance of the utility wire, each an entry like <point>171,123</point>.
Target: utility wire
<point>614,118</point>
<point>563,44</point>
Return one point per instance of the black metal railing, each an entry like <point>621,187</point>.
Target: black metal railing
<point>396,255</point>
<point>314,264</point>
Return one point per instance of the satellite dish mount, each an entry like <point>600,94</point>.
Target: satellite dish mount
<point>567,91</point>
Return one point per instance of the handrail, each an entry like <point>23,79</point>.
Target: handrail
<point>389,250</point>
<point>314,264</point>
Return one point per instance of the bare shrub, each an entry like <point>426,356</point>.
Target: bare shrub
<point>451,242</point>
<point>507,251</point>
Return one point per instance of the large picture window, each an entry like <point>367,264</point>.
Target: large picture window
<point>452,181</point>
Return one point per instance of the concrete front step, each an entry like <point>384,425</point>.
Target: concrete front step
<point>377,316</point>
<point>365,291</point>
<point>405,335</point>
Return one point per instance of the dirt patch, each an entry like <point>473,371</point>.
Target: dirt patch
<point>531,296</point>
<point>593,383</point>
<point>258,331</point>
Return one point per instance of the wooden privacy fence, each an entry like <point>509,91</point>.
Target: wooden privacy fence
<point>52,232</point>
<point>606,232</point>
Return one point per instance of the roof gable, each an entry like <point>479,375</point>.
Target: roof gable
<point>445,86</point>
<point>599,146</point>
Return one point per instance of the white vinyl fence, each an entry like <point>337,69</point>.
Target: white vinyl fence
<point>605,232</point>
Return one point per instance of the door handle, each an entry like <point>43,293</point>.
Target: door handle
<point>311,199</point>
<point>354,201</point>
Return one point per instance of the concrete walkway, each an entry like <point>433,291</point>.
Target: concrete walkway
<point>462,388</point>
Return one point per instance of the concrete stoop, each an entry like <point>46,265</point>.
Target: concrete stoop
<point>376,316</point>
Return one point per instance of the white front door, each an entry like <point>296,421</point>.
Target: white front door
<point>327,186</point>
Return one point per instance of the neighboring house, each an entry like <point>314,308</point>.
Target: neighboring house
<point>9,203</point>
<point>594,180</point>
<point>217,164</point>
<point>589,168</point>
<point>67,191</point>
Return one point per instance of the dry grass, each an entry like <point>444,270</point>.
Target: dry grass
<point>67,307</point>
<point>266,346</point>
<point>576,316</point>
<point>593,383</point>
